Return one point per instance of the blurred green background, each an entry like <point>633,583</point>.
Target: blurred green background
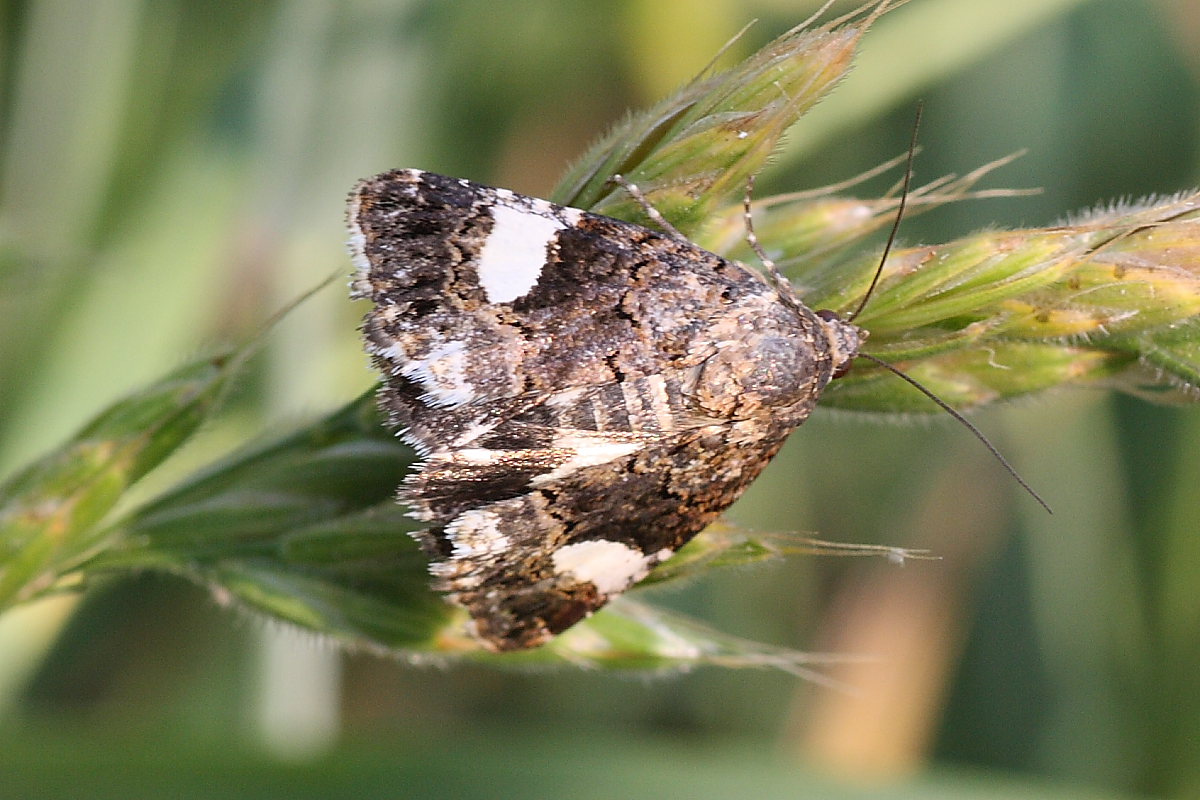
<point>171,172</point>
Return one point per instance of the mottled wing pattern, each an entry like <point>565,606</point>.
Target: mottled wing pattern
<point>586,394</point>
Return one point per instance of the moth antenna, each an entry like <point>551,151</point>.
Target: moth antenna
<point>651,212</point>
<point>782,284</point>
<point>887,248</point>
<point>942,404</point>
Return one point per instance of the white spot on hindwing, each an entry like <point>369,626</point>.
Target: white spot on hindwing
<point>610,566</point>
<point>514,253</point>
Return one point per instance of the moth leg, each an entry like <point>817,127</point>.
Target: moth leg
<point>651,212</point>
<point>781,283</point>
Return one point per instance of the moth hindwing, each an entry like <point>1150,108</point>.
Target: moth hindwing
<point>585,394</point>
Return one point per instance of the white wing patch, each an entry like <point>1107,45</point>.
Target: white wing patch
<point>477,533</point>
<point>515,252</point>
<point>588,449</point>
<point>442,373</point>
<point>610,566</point>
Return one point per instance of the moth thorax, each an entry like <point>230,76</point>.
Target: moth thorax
<point>764,371</point>
<point>845,340</point>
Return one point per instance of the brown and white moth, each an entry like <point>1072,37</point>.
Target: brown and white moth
<point>585,394</point>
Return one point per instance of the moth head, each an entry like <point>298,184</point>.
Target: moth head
<point>845,340</point>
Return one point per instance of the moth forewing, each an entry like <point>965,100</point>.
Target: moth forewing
<point>586,394</point>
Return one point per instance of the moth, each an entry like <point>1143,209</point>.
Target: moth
<point>585,394</point>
